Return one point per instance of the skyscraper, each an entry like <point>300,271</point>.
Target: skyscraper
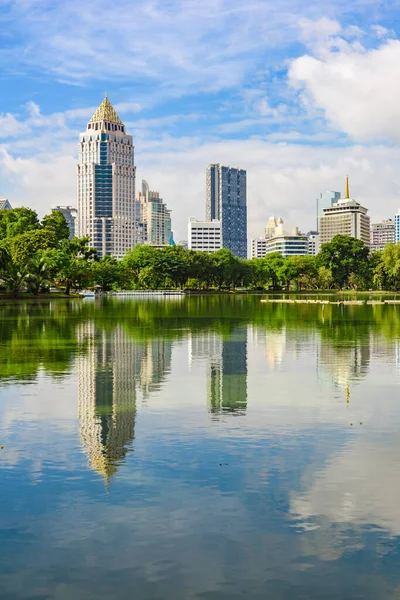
<point>226,202</point>
<point>155,217</point>
<point>106,184</point>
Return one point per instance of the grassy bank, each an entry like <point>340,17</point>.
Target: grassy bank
<point>40,297</point>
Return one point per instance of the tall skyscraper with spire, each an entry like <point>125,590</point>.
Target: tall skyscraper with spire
<point>107,211</point>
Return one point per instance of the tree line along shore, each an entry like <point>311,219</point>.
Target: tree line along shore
<point>37,257</point>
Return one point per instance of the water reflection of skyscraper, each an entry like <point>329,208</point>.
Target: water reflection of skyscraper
<point>109,373</point>
<point>226,363</point>
<point>346,363</point>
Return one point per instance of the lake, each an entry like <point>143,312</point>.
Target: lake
<point>209,447</point>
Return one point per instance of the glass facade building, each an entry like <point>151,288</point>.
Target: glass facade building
<point>226,201</point>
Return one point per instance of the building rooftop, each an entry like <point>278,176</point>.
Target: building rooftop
<point>4,204</point>
<point>106,112</point>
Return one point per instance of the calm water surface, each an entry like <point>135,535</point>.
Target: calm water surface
<point>213,448</point>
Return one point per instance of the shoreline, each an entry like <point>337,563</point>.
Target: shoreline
<point>269,296</point>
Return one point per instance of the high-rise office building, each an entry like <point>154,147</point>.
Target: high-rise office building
<point>69,213</point>
<point>381,234</point>
<point>345,217</point>
<point>155,217</point>
<point>226,201</point>
<point>326,200</point>
<point>106,184</point>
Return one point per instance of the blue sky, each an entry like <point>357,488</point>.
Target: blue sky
<point>300,93</point>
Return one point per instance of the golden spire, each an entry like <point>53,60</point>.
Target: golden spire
<point>347,187</point>
<point>106,112</point>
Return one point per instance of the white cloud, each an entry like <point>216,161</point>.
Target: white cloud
<point>10,126</point>
<point>183,43</point>
<point>358,486</point>
<point>356,88</point>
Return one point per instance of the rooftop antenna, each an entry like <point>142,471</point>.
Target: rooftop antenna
<point>347,187</point>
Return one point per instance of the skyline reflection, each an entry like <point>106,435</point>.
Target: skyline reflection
<point>123,424</point>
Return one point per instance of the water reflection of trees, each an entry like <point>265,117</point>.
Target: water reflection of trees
<point>44,335</point>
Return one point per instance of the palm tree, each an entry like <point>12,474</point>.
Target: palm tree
<point>38,273</point>
<point>13,275</point>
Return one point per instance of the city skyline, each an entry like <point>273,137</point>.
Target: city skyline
<point>298,100</point>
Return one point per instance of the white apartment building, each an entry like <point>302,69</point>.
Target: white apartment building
<point>106,184</point>
<point>258,247</point>
<point>205,236</point>
<point>313,242</point>
<point>381,234</point>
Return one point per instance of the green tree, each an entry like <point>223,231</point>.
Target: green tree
<point>16,221</point>
<point>272,266</point>
<point>55,222</point>
<point>24,245</point>
<point>106,272</point>
<point>71,263</point>
<point>303,271</point>
<point>139,257</point>
<point>344,256</point>
<point>176,264</point>
<point>224,263</point>
<point>11,273</point>
<point>39,274</point>
<point>201,267</point>
<point>386,267</point>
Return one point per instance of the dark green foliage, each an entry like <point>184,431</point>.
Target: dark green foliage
<point>16,221</point>
<point>25,245</point>
<point>56,223</point>
<point>347,260</point>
